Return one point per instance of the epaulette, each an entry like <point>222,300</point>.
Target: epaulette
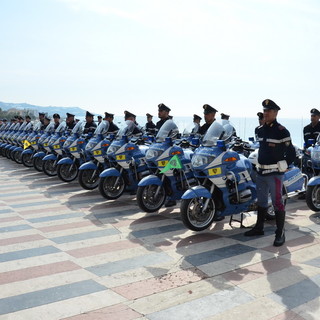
<point>281,127</point>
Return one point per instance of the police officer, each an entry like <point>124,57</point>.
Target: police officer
<point>312,130</point>
<point>70,121</point>
<point>41,117</point>
<point>276,152</point>
<point>209,116</point>
<point>109,117</point>
<point>56,119</point>
<point>46,121</point>
<point>261,123</point>
<point>163,114</point>
<point>225,120</point>
<point>90,125</point>
<point>196,122</point>
<point>150,126</point>
<point>99,119</point>
<point>130,116</point>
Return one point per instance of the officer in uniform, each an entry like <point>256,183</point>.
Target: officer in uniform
<point>150,126</point>
<point>56,119</point>
<point>46,121</point>
<point>90,125</point>
<point>209,116</point>
<point>109,117</point>
<point>276,153</point>
<point>70,121</point>
<point>312,130</point>
<point>261,123</point>
<point>130,116</point>
<point>163,114</point>
<point>41,117</point>
<point>196,121</point>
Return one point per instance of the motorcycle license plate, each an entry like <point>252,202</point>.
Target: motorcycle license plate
<point>73,149</point>
<point>214,171</point>
<point>97,152</point>
<point>56,146</point>
<point>121,157</point>
<point>163,163</point>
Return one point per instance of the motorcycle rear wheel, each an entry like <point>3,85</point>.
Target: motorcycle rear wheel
<point>313,197</point>
<point>38,163</point>
<point>67,172</point>
<point>86,180</point>
<point>109,189</point>
<point>49,167</point>
<point>26,160</point>
<point>193,216</point>
<point>146,198</point>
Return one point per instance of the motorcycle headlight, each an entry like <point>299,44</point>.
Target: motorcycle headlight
<point>199,160</point>
<point>112,149</point>
<point>152,153</point>
<point>315,155</point>
<point>90,145</point>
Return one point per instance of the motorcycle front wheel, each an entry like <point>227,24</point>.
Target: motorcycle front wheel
<point>194,217</point>
<point>147,199</point>
<point>313,197</point>
<point>38,163</point>
<point>26,160</point>
<point>67,172</point>
<point>17,157</point>
<point>49,167</point>
<point>89,178</point>
<point>110,188</point>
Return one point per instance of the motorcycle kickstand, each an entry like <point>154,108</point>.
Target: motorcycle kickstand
<point>236,220</point>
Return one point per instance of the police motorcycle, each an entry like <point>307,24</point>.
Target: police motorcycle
<point>96,149</point>
<point>6,130</point>
<point>42,147</point>
<point>169,160</point>
<point>13,140</point>
<point>30,145</point>
<point>126,156</point>
<point>74,147</point>
<point>54,148</point>
<point>16,152</point>
<point>9,139</point>
<point>313,187</point>
<point>227,182</point>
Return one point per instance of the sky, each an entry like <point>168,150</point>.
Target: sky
<point>116,55</point>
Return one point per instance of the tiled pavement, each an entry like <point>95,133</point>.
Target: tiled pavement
<point>66,253</point>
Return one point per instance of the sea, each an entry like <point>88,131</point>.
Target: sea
<point>244,126</point>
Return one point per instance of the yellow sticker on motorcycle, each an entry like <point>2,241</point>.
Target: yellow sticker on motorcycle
<point>73,149</point>
<point>97,152</point>
<point>56,146</point>
<point>33,142</point>
<point>214,171</point>
<point>45,144</point>
<point>121,157</point>
<point>163,163</point>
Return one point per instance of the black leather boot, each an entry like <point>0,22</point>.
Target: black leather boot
<point>280,234</point>
<point>257,230</point>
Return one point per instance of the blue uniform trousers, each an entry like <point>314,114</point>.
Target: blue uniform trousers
<point>270,184</point>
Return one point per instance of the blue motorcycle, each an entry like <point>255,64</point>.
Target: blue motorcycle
<point>227,184</point>
<point>74,147</point>
<point>54,148</point>
<point>126,155</point>
<point>313,187</point>
<point>96,149</point>
<point>168,182</point>
<point>37,158</point>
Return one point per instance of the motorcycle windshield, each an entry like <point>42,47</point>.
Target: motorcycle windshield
<point>62,127</point>
<point>190,129</point>
<point>217,131</point>
<point>49,128</point>
<point>126,130</point>
<point>168,129</point>
<point>78,128</point>
<point>102,128</point>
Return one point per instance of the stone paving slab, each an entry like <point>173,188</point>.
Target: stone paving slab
<point>67,253</point>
